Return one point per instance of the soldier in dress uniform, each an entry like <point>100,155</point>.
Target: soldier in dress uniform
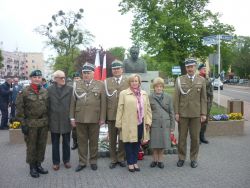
<point>113,87</point>
<point>210,95</point>
<point>87,113</point>
<point>76,77</point>
<point>190,106</point>
<point>32,112</point>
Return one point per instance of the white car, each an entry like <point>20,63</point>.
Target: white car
<point>2,81</point>
<point>24,83</point>
<point>217,83</point>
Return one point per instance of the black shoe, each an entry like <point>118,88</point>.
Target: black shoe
<point>180,163</point>
<point>204,140</point>
<point>41,170</point>
<point>160,165</point>
<point>122,164</point>
<point>79,168</point>
<point>33,172</point>
<point>112,165</point>
<point>194,164</point>
<point>75,145</point>
<point>93,166</point>
<point>153,164</point>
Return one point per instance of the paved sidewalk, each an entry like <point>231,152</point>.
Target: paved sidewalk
<point>224,163</point>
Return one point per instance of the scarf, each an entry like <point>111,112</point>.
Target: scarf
<point>139,105</point>
<point>36,88</point>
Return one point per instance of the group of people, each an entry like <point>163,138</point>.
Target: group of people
<point>131,114</point>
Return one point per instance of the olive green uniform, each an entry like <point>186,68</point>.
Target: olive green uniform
<point>113,90</point>
<point>32,111</point>
<point>210,95</point>
<point>190,103</point>
<point>88,107</point>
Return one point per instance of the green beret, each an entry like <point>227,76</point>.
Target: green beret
<point>189,62</point>
<point>116,64</point>
<point>87,67</point>
<point>76,74</point>
<point>201,66</point>
<point>36,73</point>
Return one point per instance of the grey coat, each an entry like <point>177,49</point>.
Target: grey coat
<point>59,107</point>
<point>162,121</point>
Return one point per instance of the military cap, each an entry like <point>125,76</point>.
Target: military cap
<point>201,66</point>
<point>116,64</point>
<point>189,62</point>
<point>36,73</point>
<point>88,67</point>
<point>76,74</point>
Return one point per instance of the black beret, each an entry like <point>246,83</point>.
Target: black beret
<point>36,73</point>
<point>76,74</point>
<point>201,66</point>
<point>190,62</point>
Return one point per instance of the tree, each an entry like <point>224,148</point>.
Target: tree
<point>241,65</point>
<point>172,31</point>
<point>118,52</point>
<point>89,55</point>
<point>65,35</point>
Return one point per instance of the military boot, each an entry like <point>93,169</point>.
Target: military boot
<point>40,169</point>
<point>203,139</point>
<point>33,171</point>
<point>75,145</point>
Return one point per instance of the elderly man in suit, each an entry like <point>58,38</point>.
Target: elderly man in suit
<point>87,113</point>
<point>190,106</point>
<point>59,123</point>
<point>113,87</point>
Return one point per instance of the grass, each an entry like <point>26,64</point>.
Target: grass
<point>218,109</point>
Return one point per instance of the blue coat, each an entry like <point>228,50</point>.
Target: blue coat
<point>5,93</point>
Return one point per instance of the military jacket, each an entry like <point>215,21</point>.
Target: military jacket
<point>113,90</point>
<point>190,99</point>
<point>210,95</point>
<point>88,103</point>
<point>32,108</point>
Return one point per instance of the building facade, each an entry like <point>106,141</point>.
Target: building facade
<point>20,64</point>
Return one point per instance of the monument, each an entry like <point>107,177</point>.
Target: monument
<point>134,64</point>
<point>137,65</point>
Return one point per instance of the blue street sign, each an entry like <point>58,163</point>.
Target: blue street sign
<point>176,70</point>
<point>226,37</point>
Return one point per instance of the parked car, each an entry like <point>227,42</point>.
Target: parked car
<point>217,83</point>
<point>24,83</point>
<point>2,81</point>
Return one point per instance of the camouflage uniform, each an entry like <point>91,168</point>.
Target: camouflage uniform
<point>32,111</point>
<point>210,95</point>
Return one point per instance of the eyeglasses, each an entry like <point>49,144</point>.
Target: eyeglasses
<point>86,72</point>
<point>61,78</point>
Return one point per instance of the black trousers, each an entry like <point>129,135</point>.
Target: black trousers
<point>132,148</point>
<point>5,114</point>
<point>55,138</point>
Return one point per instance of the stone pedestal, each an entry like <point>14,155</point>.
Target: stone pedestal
<point>147,79</point>
<point>225,128</point>
<point>16,137</point>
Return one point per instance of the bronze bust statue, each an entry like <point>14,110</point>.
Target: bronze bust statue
<point>134,64</point>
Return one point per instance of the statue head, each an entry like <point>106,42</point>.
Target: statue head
<point>134,52</point>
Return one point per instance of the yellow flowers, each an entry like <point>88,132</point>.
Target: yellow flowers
<point>235,116</point>
<point>15,125</point>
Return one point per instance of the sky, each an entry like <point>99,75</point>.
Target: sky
<point>19,18</point>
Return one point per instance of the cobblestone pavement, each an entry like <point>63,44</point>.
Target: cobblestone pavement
<point>222,163</point>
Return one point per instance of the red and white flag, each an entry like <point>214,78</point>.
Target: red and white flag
<point>97,73</point>
<point>104,72</point>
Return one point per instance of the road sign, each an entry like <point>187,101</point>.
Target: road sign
<point>176,70</point>
<point>226,37</point>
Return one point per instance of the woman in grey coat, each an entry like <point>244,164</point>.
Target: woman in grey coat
<point>59,122</point>
<point>162,122</point>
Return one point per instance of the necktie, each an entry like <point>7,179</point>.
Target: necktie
<point>191,78</point>
<point>117,81</point>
